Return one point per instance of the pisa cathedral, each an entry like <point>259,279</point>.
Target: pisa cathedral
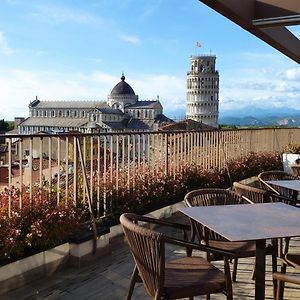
<point>203,90</point>
<point>122,111</point>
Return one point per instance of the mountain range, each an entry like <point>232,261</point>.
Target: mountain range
<point>251,116</point>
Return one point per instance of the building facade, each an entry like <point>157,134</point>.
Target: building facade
<point>121,112</point>
<point>203,90</point>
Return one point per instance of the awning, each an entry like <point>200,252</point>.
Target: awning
<point>266,19</point>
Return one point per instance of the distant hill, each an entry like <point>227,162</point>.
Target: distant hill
<point>260,112</point>
<point>251,116</point>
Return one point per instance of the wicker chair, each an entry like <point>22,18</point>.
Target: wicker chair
<point>206,197</point>
<point>180,278</point>
<point>295,168</point>
<point>256,195</point>
<point>292,260</point>
<point>277,175</point>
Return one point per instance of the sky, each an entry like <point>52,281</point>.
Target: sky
<point>78,50</point>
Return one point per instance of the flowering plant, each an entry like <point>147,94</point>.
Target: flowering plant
<point>39,225</point>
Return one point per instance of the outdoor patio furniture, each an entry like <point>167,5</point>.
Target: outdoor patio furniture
<point>295,168</point>
<point>257,222</point>
<point>263,177</point>
<point>181,278</point>
<point>214,196</point>
<point>289,259</point>
<point>257,195</point>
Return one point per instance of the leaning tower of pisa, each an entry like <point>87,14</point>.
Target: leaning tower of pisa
<point>203,90</point>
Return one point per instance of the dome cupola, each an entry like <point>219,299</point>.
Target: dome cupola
<point>122,88</point>
<point>122,95</point>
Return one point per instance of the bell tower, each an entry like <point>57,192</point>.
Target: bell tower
<point>203,90</point>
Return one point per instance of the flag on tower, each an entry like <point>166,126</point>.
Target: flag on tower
<point>198,45</point>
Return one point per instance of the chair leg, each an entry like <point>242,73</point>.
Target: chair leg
<point>229,293</point>
<point>234,270</point>
<point>134,278</point>
<point>208,297</point>
<point>253,273</point>
<point>280,285</point>
<point>274,265</point>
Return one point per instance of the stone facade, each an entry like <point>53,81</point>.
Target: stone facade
<point>203,90</point>
<point>121,112</point>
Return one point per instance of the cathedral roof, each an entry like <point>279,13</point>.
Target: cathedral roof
<point>70,104</point>
<point>122,88</point>
<point>54,122</point>
<point>144,104</point>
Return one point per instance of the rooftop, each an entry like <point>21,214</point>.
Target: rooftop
<point>108,278</point>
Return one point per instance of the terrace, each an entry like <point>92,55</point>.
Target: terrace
<point>108,277</point>
<point>114,173</point>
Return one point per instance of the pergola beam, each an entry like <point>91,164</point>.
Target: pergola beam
<point>265,9</point>
<point>272,13</point>
<point>266,20</point>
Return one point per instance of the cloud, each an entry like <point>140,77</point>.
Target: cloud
<point>292,74</point>
<point>62,14</point>
<point>150,8</point>
<point>132,39</point>
<point>285,87</point>
<point>4,47</point>
<point>19,87</point>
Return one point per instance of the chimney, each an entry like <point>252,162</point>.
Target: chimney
<point>18,121</point>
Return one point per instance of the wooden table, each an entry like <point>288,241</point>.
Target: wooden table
<point>290,184</point>
<point>247,222</point>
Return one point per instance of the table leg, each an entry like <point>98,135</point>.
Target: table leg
<point>260,270</point>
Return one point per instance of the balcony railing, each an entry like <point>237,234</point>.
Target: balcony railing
<point>99,167</point>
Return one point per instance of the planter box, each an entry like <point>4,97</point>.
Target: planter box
<point>288,159</point>
<point>79,248</point>
<point>25,270</point>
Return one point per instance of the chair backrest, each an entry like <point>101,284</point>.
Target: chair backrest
<point>257,195</point>
<point>253,194</point>
<point>148,249</point>
<point>209,197</point>
<point>213,196</point>
<point>276,175</point>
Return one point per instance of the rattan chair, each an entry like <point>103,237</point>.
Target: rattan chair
<point>289,259</point>
<point>257,195</point>
<point>295,168</point>
<point>277,175</point>
<point>214,196</point>
<point>181,278</point>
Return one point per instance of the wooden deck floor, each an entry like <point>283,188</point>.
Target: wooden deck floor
<point>108,278</point>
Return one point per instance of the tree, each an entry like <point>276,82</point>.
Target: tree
<point>3,126</point>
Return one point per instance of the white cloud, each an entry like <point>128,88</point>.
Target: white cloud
<point>4,47</point>
<point>132,39</point>
<point>170,89</point>
<point>19,87</point>
<point>62,14</point>
<point>291,74</point>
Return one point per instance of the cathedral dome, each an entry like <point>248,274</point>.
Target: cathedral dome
<point>122,88</point>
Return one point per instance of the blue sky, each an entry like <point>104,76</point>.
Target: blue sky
<point>78,49</point>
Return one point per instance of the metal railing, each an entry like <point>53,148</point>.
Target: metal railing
<point>99,167</point>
